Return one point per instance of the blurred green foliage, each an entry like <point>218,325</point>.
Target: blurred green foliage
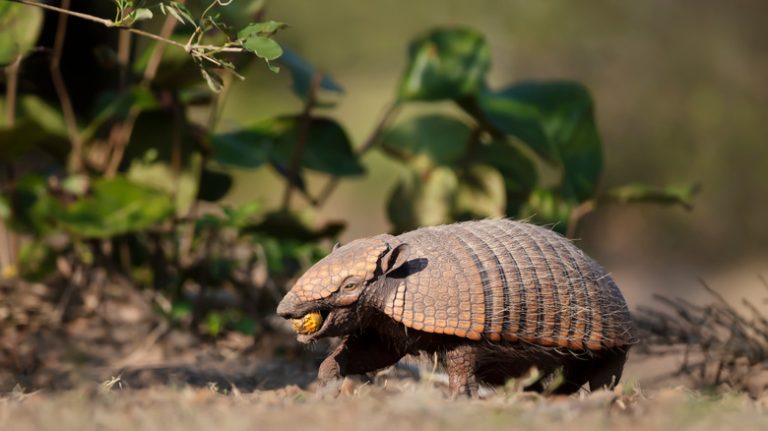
<point>20,27</point>
<point>144,196</point>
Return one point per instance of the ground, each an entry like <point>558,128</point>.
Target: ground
<point>122,368</point>
<point>391,405</point>
<point>229,385</point>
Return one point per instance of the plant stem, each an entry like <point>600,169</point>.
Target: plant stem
<point>217,105</point>
<point>157,55</point>
<point>386,119</point>
<point>124,57</point>
<point>12,76</point>
<point>8,238</point>
<point>75,159</point>
<point>577,214</point>
<point>301,140</point>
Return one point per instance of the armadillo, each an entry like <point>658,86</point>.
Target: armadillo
<point>492,298</point>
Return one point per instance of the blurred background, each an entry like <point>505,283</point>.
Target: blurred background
<point>681,97</point>
<point>679,103</point>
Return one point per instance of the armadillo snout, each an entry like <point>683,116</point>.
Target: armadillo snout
<point>287,307</point>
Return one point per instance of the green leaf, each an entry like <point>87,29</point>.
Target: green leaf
<point>631,193</point>
<point>518,171</point>
<point>141,14</point>
<point>209,221</point>
<point>303,73</point>
<point>5,208</point>
<point>546,206</point>
<point>178,11</point>
<point>38,127</point>
<point>422,200</point>
<point>446,64</point>
<point>37,260</point>
<point>180,310</point>
<point>212,78</point>
<point>261,29</point>
<point>287,225</point>
<point>220,269</point>
<point>263,47</point>
<point>76,184</point>
<point>43,114</point>
<point>444,140</point>
<point>480,194</point>
<point>273,68</point>
<point>157,174</point>
<point>519,119</point>
<point>33,209</point>
<point>213,185</point>
<point>247,148</point>
<point>327,148</point>
<point>20,27</point>
<point>155,135</point>
<point>214,323</point>
<point>26,135</point>
<point>116,206</point>
<point>112,106</point>
<point>245,325</point>
<point>243,214</point>
<point>556,119</point>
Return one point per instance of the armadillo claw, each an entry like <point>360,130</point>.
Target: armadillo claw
<point>309,324</point>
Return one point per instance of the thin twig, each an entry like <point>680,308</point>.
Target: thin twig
<point>75,161</point>
<point>577,214</point>
<point>157,55</point>
<point>123,57</point>
<point>301,140</point>
<point>198,33</point>
<point>177,136</point>
<point>381,126</point>
<point>217,105</point>
<point>12,76</point>
<point>112,24</point>
<point>723,335</point>
<point>9,238</point>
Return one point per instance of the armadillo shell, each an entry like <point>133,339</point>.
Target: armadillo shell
<point>501,279</point>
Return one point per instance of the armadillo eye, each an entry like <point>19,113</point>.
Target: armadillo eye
<point>350,286</point>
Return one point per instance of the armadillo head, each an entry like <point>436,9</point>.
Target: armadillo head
<point>323,301</point>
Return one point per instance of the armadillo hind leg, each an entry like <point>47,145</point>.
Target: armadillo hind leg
<point>575,375</point>
<point>461,366</point>
<point>603,371</point>
<point>608,369</point>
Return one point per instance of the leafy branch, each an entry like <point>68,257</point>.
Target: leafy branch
<point>255,38</point>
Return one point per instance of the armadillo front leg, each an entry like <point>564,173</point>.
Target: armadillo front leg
<point>358,354</point>
<point>461,365</point>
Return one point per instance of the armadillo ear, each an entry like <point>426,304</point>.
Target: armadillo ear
<point>395,258</point>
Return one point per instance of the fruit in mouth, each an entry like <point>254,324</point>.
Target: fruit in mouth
<point>309,324</point>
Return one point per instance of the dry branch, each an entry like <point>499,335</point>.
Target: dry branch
<point>730,341</point>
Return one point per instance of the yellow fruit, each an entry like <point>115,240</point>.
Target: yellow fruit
<point>309,324</point>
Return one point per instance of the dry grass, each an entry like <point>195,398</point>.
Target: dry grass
<point>398,405</point>
<point>720,344</point>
